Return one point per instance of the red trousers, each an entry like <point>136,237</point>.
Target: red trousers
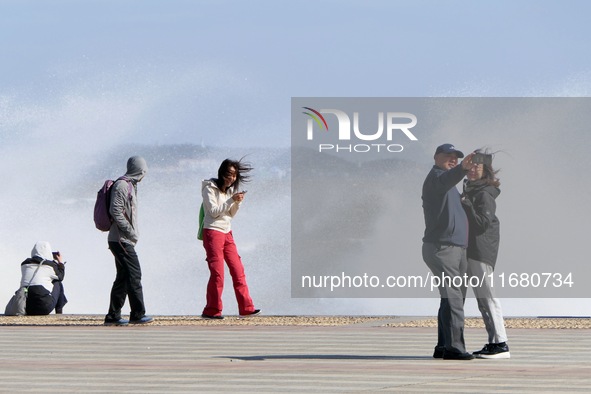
<point>219,247</point>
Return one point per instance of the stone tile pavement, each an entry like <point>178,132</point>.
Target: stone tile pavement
<point>352,358</point>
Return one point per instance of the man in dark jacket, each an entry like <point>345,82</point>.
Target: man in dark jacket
<point>444,247</point>
<point>123,236</point>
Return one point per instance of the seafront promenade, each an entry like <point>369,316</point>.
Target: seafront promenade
<point>75,354</point>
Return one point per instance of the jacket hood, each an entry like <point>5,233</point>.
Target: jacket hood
<point>42,249</point>
<point>479,185</point>
<point>211,182</point>
<point>208,182</point>
<point>136,168</point>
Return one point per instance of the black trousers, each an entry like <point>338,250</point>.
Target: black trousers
<point>42,302</point>
<point>128,282</point>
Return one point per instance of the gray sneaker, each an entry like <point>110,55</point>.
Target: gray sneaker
<point>115,322</point>
<point>142,320</point>
<point>494,350</point>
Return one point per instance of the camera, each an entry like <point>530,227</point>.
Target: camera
<point>482,158</point>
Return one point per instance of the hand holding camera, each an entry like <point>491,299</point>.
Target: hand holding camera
<point>57,256</point>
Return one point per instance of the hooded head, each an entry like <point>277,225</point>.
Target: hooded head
<point>42,249</point>
<point>136,168</point>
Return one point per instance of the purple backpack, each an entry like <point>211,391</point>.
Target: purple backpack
<point>102,217</point>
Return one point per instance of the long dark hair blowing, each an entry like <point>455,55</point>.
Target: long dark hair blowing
<point>489,175</point>
<point>242,170</point>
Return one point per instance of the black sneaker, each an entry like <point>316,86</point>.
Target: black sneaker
<point>253,313</point>
<point>494,350</point>
<point>212,317</point>
<point>479,352</point>
<point>457,356</point>
<point>438,352</point>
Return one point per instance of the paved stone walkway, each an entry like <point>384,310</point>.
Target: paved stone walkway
<point>265,359</point>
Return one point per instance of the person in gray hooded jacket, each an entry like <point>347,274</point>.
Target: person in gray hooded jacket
<point>122,239</point>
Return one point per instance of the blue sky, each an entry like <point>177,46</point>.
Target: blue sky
<point>223,72</point>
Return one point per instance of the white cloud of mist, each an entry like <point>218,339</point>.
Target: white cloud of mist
<point>49,147</point>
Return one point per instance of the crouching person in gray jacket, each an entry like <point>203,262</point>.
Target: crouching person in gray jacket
<point>43,274</point>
